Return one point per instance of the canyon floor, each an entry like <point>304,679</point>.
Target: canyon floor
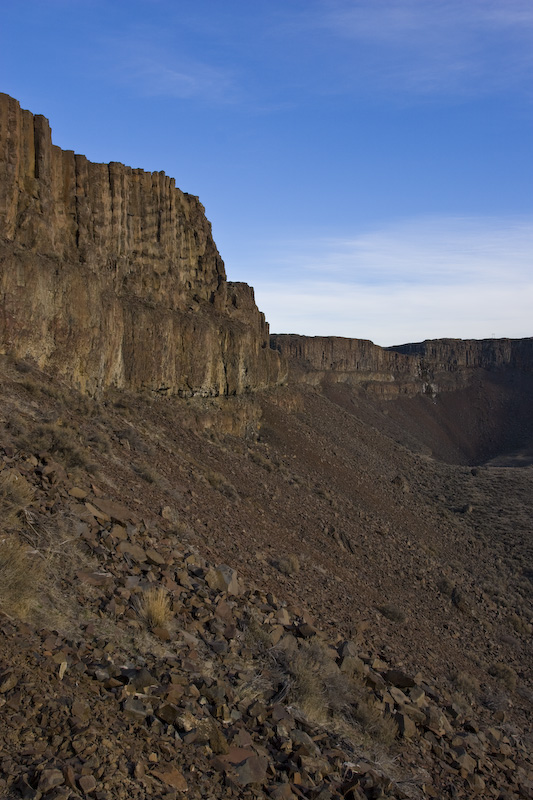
<point>309,592</point>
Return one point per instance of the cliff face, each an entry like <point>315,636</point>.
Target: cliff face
<point>450,355</point>
<point>110,276</point>
<point>333,359</point>
<point>426,367</point>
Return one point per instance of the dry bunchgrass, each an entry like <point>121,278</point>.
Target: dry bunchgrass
<point>326,696</point>
<point>259,459</point>
<point>59,440</point>
<point>219,482</point>
<point>317,687</point>
<point>289,565</point>
<point>15,496</point>
<point>466,683</point>
<point>392,611</point>
<point>147,473</point>
<point>256,636</point>
<point>21,573</point>
<point>505,674</point>
<point>521,625</point>
<point>155,607</point>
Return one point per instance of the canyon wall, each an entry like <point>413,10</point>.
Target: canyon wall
<point>109,276</point>
<point>426,367</point>
<point>450,355</point>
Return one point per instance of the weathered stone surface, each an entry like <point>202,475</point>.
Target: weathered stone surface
<point>398,678</point>
<point>87,783</point>
<point>252,770</point>
<point>408,369</point>
<point>171,777</point>
<point>406,725</point>
<point>110,275</point>
<point>223,579</point>
<point>50,778</point>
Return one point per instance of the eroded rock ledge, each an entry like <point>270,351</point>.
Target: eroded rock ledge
<point>425,367</point>
<point>109,276</point>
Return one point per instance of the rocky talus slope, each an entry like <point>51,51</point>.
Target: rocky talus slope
<point>109,275</point>
<point>212,616</point>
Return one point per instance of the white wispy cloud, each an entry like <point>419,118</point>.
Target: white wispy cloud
<point>428,250</point>
<point>417,279</point>
<point>396,315</point>
<point>443,45</point>
<point>154,70</point>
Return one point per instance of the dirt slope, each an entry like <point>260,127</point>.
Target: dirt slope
<point>357,552</point>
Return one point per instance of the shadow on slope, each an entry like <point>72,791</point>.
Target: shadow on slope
<point>487,421</point>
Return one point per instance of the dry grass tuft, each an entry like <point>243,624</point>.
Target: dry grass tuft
<point>16,495</point>
<point>219,482</point>
<point>21,573</point>
<point>392,612</point>
<point>466,683</point>
<point>289,565</point>
<point>317,687</point>
<point>147,473</point>
<point>326,696</point>
<point>505,674</point>
<point>59,440</point>
<point>155,607</point>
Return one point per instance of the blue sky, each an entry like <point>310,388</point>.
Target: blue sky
<point>367,165</point>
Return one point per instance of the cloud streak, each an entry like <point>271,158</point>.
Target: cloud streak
<point>395,315</point>
<point>441,46</point>
<point>417,279</point>
<point>159,71</point>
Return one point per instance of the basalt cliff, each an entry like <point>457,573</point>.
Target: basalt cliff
<point>109,276</point>
<point>409,369</point>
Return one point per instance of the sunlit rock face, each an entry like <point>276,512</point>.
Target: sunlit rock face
<point>110,276</point>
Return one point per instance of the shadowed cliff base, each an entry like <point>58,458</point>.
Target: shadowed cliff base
<point>464,402</point>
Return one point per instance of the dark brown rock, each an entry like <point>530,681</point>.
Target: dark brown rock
<point>171,776</point>
<point>50,779</point>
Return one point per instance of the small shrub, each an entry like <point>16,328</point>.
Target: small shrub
<point>31,386</point>
<point>23,367</point>
<point>100,441</point>
<point>260,460</point>
<point>21,573</point>
<point>147,473</point>
<point>58,440</point>
<point>155,607</point>
<point>135,441</point>
<point>460,600</point>
<point>289,565</point>
<point>505,674</point>
<point>445,586</point>
<point>327,696</point>
<point>218,482</point>
<point>392,612</point>
<point>520,625</point>
<point>317,686</point>
<point>256,635</point>
<point>466,683</point>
